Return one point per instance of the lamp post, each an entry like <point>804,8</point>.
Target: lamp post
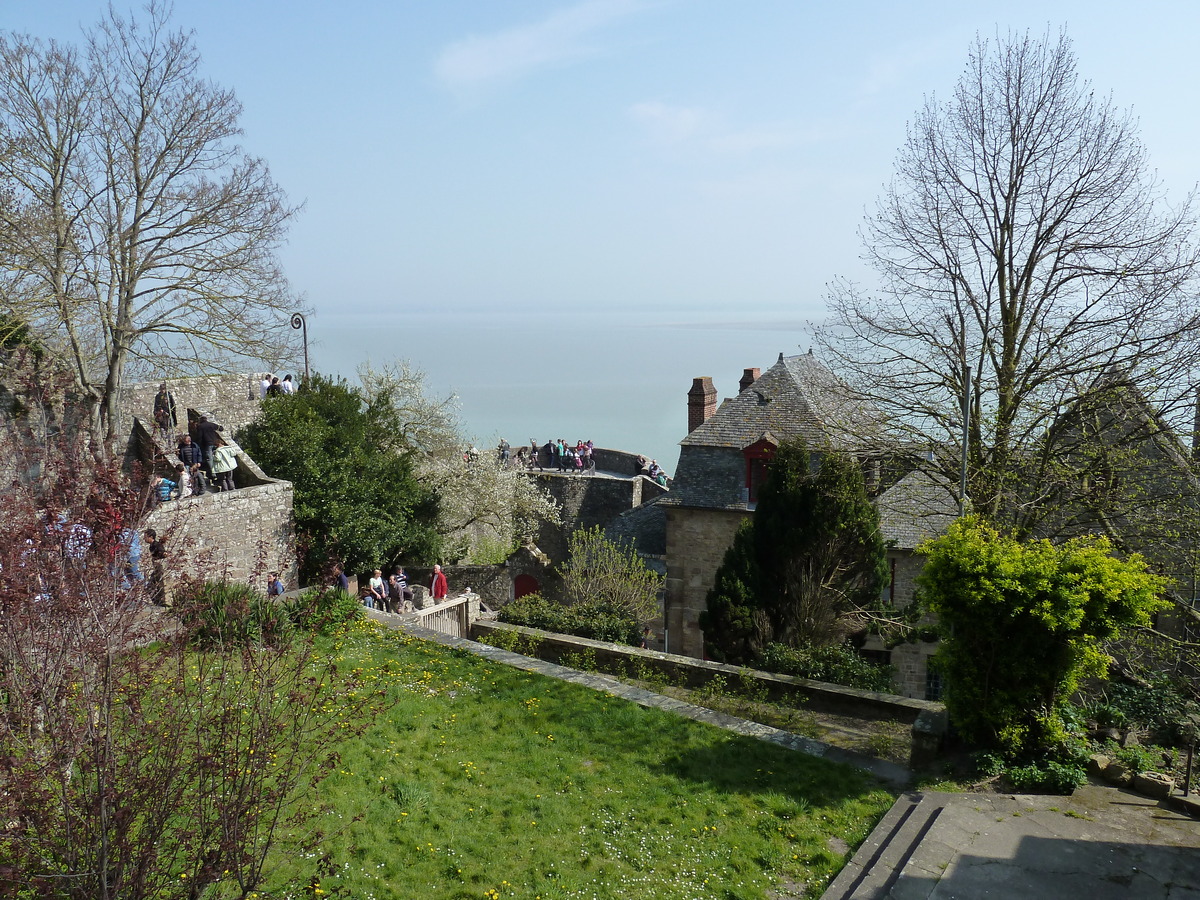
<point>298,321</point>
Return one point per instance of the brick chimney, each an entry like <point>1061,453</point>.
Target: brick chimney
<point>749,376</point>
<point>702,402</point>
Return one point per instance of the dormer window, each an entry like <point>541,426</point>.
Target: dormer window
<point>758,457</point>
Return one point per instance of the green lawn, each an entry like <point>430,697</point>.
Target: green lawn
<point>486,782</point>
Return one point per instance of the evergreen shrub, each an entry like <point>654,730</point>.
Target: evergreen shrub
<point>834,664</point>
<point>596,620</point>
<point>322,610</point>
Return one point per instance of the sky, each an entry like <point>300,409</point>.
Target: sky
<point>563,212</point>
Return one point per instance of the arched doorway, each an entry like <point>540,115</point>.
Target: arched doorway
<point>524,585</point>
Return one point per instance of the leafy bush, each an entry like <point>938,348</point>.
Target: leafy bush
<point>597,620</point>
<point>322,610</point>
<point>1047,777</point>
<point>1138,758</point>
<point>835,664</point>
<point>1158,707</point>
<point>226,614</point>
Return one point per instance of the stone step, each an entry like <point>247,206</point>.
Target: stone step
<point>877,865</point>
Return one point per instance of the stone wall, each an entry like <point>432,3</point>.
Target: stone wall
<point>231,400</point>
<point>241,535</point>
<point>696,543</point>
<point>586,502</point>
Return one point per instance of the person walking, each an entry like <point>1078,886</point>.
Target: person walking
<point>165,419</point>
<point>437,585</point>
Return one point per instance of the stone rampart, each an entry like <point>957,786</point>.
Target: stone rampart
<point>586,502</point>
<point>240,535</point>
<point>232,400</point>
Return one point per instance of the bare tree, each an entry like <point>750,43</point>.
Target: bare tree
<point>138,234</point>
<point>1025,253</point>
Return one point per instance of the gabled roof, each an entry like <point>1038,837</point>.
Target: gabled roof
<point>797,397</point>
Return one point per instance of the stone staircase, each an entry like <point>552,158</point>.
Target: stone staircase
<point>882,858</point>
<point>1100,843</point>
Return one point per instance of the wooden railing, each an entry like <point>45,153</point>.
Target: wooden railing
<point>450,616</point>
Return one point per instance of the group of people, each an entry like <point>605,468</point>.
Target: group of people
<point>205,464</point>
<point>271,386</point>
<point>578,459</point>
<point>207,459</point>
<point>392,594</point>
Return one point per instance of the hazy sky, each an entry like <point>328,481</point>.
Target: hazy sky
<point>678,157</point>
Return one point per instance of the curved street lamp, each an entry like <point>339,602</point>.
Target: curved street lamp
<point>298,321</point>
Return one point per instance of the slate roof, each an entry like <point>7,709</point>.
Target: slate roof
<point>797,397</point>
<point>917,507</point>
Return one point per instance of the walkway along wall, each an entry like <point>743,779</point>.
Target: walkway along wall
<point>927,719</point>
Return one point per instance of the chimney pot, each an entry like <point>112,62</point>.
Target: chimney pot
<point>749,376</point>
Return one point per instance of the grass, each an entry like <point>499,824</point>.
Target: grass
<point>486,782</point>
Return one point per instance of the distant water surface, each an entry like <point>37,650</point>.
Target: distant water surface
<point>619,380</point>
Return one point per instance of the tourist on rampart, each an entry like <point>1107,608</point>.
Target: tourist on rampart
<point>274,586</point>
<point>223,463</point>
<point>165,419</point>
<point>199,480</point>
<point>131,541</point>
<point>184,479</point>
<point>264,385</point>
<point>288,386</point>
<point>502,451</point>
<point>377,589</point>
<point>164,488</point>
<point>406,593</point>
<point>208,436</point>
<point>189,453</point>
<point>438,587</point>
<point>340,581</point>
<point>533,454</point>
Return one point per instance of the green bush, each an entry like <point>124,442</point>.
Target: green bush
<point>597,620</point>
<point>1138,758</point>
<point>1157,707</point>
<point>226,614</point>
<point>834,664</point>
<point>322,610</point>
<point>1046,777</point>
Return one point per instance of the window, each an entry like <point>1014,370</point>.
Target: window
<point>933,682</point>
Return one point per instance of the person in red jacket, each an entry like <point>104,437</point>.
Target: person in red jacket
<point>437,587</point>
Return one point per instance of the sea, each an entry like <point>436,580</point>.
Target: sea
<point>619,379</point>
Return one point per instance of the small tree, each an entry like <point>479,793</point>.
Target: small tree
<point>601,572</point>
<point>806,567</point>
<point>1022,623</point>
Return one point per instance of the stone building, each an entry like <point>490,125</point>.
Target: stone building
<point>722,466</point>
<point>1140,486</point>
